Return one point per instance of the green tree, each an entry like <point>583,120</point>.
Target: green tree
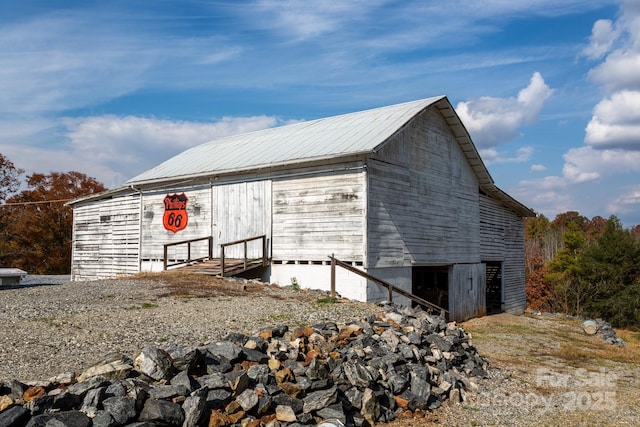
<point>37,236</point>
<point>611,264</point>
<point>570,292</point>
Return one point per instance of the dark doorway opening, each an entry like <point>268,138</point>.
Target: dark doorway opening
<point>431,284</point>
<point>494,287</point>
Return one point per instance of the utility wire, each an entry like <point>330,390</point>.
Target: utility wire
<point>34,203</point>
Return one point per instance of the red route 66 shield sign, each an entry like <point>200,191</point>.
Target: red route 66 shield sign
<point>175,212</point>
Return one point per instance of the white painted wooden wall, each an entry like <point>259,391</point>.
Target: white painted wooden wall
<point>105,238</point>
<point>316,216</point>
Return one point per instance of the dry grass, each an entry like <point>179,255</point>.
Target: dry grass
<point>525,339</point>
<point>190,285</point>
<point>180,284</point>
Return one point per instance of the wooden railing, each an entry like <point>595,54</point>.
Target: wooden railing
<point>188,259</point>
<point>246,259</point>
<point>390,288</point>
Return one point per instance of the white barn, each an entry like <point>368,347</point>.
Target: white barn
<point>399,192</point>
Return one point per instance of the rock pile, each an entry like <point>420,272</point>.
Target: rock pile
<point>606,332</point>
<point>361,373</point>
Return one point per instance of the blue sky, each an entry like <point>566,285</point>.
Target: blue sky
<point>548,89</point>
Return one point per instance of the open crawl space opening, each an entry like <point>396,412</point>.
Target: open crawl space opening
<point>432,284</point>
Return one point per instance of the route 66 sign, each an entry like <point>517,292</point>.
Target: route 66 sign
<point>175,212</point>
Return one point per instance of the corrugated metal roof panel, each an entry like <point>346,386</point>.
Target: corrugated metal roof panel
<point>337,136</point>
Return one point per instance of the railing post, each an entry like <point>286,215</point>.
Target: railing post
<point>333,276</point>
<point>264,250</point>
<point>165,256</point>
<point>390,294</point>
<point>189,252</point>
<point>245,255</point>
<point>221,261</point>
<point>210,247</point>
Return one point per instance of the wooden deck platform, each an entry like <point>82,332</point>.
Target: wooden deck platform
<point>213,267</point>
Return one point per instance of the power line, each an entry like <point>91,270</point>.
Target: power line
<point>34,203</point>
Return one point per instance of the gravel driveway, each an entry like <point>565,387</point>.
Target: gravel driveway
<point>50,325</point>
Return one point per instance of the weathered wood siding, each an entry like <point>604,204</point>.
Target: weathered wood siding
<point>467,291</point>
<point>423,198</point>
<point>316,216</point>
<point>399,277</point>
<point>502,239</point>
<point>105,238</point>
<point>155,236</point>
<point>240,211</point>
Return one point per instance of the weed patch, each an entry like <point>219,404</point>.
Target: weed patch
<point>324,302</point>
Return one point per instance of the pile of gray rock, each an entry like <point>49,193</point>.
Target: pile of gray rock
<point>361,373</point>
<point>606,332</point>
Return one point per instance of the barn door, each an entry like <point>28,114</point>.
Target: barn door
<point>467,291</point>
<point>241,211</point>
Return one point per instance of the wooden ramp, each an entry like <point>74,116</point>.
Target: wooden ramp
<point>213,267</point>
<point>223,266</point>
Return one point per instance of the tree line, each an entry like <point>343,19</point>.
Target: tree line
<point>581,266</point>
<point>35,224</point>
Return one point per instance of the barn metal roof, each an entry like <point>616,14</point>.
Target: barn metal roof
<point>331,137</point>
<point>351,134</point>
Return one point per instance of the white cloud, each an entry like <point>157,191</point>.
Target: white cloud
<point>574,175</point>
<point>547,200</point>
<point>496,121</point>
<point>602,37</point>
<point>47,67</point>
<point>113,149</point>
<point>306,20</point>
<point>493,156</point>
<point>575,189</point>
<point>585,163</point>
<point>538,168</point>
<point>621,70</point>
<point>616,122</point>
<point>627,202</point>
